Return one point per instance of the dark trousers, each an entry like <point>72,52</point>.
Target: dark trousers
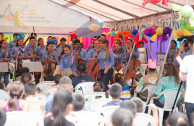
<point>190,109</point>
<point>37,78</point>
<point>105,78</point>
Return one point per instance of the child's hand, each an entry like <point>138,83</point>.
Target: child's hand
<point>153,107</point>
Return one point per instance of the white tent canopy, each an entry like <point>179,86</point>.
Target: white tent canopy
<point>116,10</point>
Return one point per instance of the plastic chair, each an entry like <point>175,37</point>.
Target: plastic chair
<point>97,104</point>
<point>45,85</point>
<point>87,87</point>
<point>107,112</point>
<point>86,118</point>
<point>169,96</point>
<point>40,96</point>
<point>144,66</point>
<point>150,90</point>
<point>92,96</point>
<point>50,91</point>
<point>143,119</point>
<point>22,118</point>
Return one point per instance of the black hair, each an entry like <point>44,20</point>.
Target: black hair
<point>33,34</point>
<point>130,105</point>
<point>81,67</point>
<point>39,39</point>
<point>49,77</point>
<point>72,76</point>
<point>26,78</point>
<point>57,77</point>
<point>121,37</point>
<point>152,70</point>
<point>15,34</point>
<point>67,46</point>
<point>174,42</point>
<point>1,34</point>
<point>103,35</point>
<point>3,118</point>
<point>141,42</point>
<point>32,37</point>
<point>177,119</point>
<point>76,41</point>
<point>63,39</point>
<point>122,117</point>
<point>18,41</point>
<point>62,52</point>
<point>24,70</point>
<point>48,45</point>
<point>1,42</point>
<point>62,99</point>
<point>2,85</point>
<point>30,89</point>
<point>78,102</point>
<point>119,79</point>
<point>98,86</point>
<point>115,90</point>
<point>50,36</point>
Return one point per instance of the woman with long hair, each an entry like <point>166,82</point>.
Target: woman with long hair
<point>93,52</point>
<point>4,57</point>
<point>118,54</point>
<point>106,61</point>
<point>62,105</point>
<point>15,103</point>
<point>67,62</point>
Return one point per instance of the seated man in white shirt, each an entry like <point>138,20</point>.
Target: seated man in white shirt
<point>115,93</point>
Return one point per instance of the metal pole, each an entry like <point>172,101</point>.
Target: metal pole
<point>129,60</point>
<point>167,48</point>
<point>149,51</point>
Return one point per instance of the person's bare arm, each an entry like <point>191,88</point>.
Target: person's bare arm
<point>155,113</point>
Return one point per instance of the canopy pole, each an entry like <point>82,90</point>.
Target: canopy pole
<point>168,45</point>
<point>150,51</point>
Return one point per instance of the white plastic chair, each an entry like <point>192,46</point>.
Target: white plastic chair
<point>45,85</point>
<point>96,105</point>
<point>41,96</point>
<point>50,91</point>
<point>22,118</point>
<point>107,112</point>
<point>169,96</point>
<point>87,87</point>
<point>86,118</point>
<point>144,66</point>
<point>150,90</point>
<point>143,119</point>
<point>92,96</point>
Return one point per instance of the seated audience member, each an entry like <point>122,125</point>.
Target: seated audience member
<point>30,91</point>
<point>3,94</point>
<point>49,77</point>
<point>23,70</point>
<point>3,118</point>
<point>130,105</point>
<point>71,76</point>
<point>64,83</point>
<point>149,79</point>
<point>177,119</point>
<point>62,105</point>
<point>115,93</point>
<point>81,69</point>
<point>78,102</point>
<point>57,77</point>
<point>15,103</point>
<point>122,117</point>
<point>98,87</point>
<point>26,78</point>
<point>139,104</point>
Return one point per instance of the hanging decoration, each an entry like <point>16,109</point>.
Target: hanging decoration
<point>164,2</point>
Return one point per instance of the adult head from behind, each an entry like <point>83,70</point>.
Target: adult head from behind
<point>65,83</point>
<point>78,102</point>
<point>98,86</point>
<point>57,77</point>
<point>24,70</point>
<point>130,105</point>
<point>30,89</point>
<point>177,119</point>
<point>16,92</point>
<point>49,77</point>
<point>139,104</point>
<point>2,118</point>
<point>26,78</point>
<point>81,68</point>
<point>171,71</point>
<point>62,105</point>
<point>116,91</point>
<point>122,117</point>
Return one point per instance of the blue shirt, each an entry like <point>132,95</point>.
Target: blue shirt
<point>119,57</point>
<point>49,103</point>
<point>66,62</point>
<point>89,48</point>
<point>58,50</point>
<point>17,51</point>
<point>52,56</point>
<point>82,53</point>
<point>112,103</point>
<point>136,56</point>
<point>11,45</point>
<point>28,51</point>
<point>41,51</point>
<point>103,58</point>
<point>91,54</point>
<point>6,53</point>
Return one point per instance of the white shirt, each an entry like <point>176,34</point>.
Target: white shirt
<point>187,67</point>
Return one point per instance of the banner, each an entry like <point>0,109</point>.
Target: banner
<point>47,17</point>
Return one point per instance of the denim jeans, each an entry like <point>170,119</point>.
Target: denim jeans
<point>105,78</point>
<point>6,78</point>
<point>190,109</point>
